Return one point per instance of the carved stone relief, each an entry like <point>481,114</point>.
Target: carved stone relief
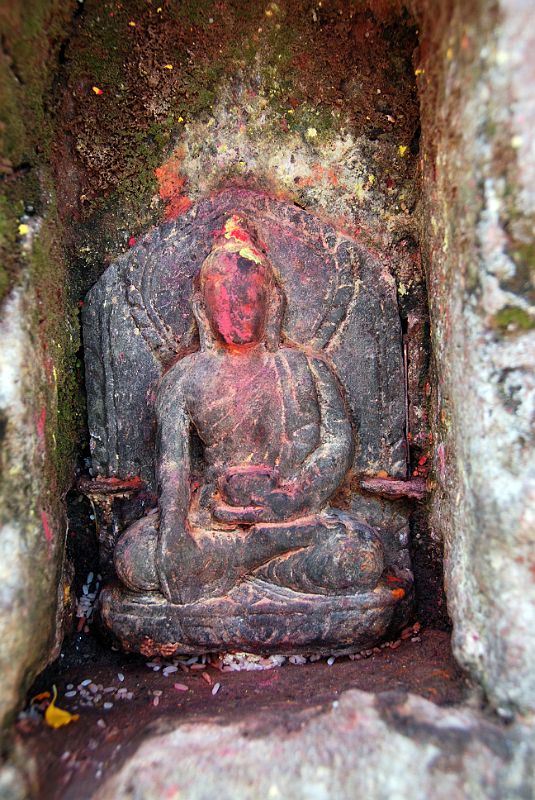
<point>244,362</point>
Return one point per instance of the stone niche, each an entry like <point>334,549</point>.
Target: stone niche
<point>468,211</point>
<point>338,314</point>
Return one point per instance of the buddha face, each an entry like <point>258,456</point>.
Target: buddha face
<point>235,292</point>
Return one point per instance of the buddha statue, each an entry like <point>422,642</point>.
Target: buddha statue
<point>249,552</point>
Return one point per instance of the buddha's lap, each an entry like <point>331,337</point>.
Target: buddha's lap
<point>339,547</point>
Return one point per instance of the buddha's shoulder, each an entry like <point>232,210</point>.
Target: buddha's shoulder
<point>179,372</point>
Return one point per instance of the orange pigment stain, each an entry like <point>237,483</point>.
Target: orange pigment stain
<point>398,593</point>
<point>171,183</point>
<point>321,175</point>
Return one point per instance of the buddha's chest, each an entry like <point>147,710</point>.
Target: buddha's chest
<point>257,410</point>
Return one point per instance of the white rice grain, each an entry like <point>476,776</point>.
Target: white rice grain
<point>297,660</point>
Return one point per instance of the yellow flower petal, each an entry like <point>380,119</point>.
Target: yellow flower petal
<point>402,149</point>
<point>58,717</point>
<point>23,229</point>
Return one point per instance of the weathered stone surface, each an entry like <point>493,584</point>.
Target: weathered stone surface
<point>256,616</point>
<point>18,775</point>
<point>373,746</point>
<point>12,784</point>
<point>37,339</point>
<point>477,233</point>
<point>32,528</point>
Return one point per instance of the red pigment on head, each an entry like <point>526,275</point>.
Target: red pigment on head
<point>171,185</point>
<point>235,232</point>
<point>234,291</point>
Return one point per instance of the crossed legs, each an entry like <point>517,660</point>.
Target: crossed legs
<point>328,554</point>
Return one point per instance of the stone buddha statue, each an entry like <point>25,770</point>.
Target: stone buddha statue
<point>277,445</point>
<point>245,549</point>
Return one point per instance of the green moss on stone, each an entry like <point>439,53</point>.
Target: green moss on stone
<point>524,257</point>
<point>512,319</point>
<point>8,241</point>
<point>32,33</point>
<point>522,253</point>
<point>198,12</point>
<point>13,140</point>
<point>57,326</point>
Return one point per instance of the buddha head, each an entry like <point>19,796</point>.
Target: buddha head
<point>238,301</point>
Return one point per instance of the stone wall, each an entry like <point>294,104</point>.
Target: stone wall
<point>476,75</point>
<point>39,339</point>
<point>363,745</point>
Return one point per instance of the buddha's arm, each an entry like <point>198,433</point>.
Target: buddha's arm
<point>323,471</point>
<point>176,547</point>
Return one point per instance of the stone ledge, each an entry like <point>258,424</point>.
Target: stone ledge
<point>364,745</point>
